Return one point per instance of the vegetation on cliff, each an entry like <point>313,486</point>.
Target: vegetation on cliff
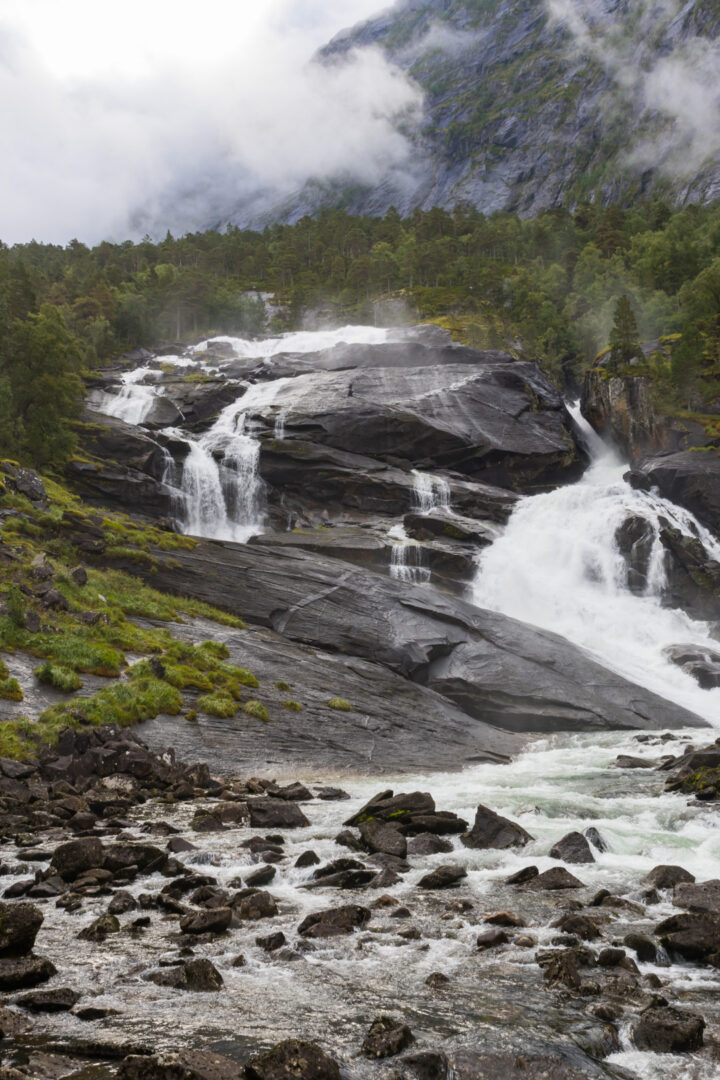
<point>547,285</point>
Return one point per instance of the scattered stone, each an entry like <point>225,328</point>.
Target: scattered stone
<point>260,877</point>
<point>668,1031</point>
<point>426,1065</point>
<point>437,981</point>
<point>428,844</point>
<point>331,794</point>
<point>72,859</point>
<point>210,921</point>
<point>694,937</point>
<point>307,858</point>
<point>504,918</point>
<point>581,926</point>
<point>24,972</point>
<point>61,999</point>
<point>333,922</point>
<point>272,942</point>
<point>176,845</point>
<point>261,905</point>
<point>383,838</point>
<point>199,976</point>
<point>596,839</point>
<point>556,878</point>
<point>386,1038</point>
<point>667,877</point>
<point>703,898</point>
<point>626,761</point>
<point>490,830</point>
<point>292,1060</point>
<point>19,925</point>
<point>522,876</point>
<point>444,877</point>
<point>491,939</point>
<point>100,929</point>
<point>121,903</point>
<point>573,848</point>
<point>269,813</point>
<point>643,946</point>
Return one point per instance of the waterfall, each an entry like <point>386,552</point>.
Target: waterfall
<point>430,492</point>
<point>408,561</point>
<point>280,424</point>
<point>558,565</point>
<point>135,399</point>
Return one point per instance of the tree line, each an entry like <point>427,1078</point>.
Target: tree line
<point>548,286</point>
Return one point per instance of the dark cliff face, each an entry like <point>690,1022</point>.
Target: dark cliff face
<point>523,112</point>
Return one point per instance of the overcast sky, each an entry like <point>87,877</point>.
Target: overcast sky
<point>153,106</point>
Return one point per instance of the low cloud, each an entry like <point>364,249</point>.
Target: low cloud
<point>183,143</point>
<point>660,66</point>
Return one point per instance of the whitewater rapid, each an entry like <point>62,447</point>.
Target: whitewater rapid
<point>558,566</point>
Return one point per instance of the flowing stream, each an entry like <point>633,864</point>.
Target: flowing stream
<point>558,565</point>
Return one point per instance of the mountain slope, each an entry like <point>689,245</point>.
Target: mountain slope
<point>530,105</point>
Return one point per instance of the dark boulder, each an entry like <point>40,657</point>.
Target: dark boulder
<point>212,921</point>
<point>100,929</point>
<point>386,805</point>
<point>556,878</point>
<point>490,830</point>
<point>19,925</point>
<point>703,897</point>
<point>690,479</point>
<point>444,877</point>
<point>428,844</point>
<point>72,859</point>
<point>61,999</point>
<point>667,877</point>
<point>292,1060</point>
<point>668,1031</point>
<point>703,665</point>
<point>259,905</point>
<point>269,813</point>
<point>386,1038</point>
<point>333,922</point>
<point>23,972</point>
<point>693,937</point>
<point>573,848</point>
<point>491,939</point>
<point>199,976</point>
<point>383,838</point>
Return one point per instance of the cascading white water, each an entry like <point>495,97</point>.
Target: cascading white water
<point>303,341</point>
<point>135,399</point>
<point>430,492</point>
<point>408,561</point>
<point>558,566</point>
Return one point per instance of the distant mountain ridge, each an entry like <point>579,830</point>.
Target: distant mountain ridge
<point>532,104</point>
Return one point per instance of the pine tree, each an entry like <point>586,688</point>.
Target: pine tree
<point>624,337</point>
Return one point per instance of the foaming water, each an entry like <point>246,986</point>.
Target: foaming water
<point>430,492</point>
<point>303,341</point>
<point>558,565</point>
<point>408,561</point>
<point>135,399</point>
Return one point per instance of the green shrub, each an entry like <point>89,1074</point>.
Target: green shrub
<point>256,709</point>
<point>10,690</point>
<point>340,704</point>
<point>284,686</point>
<point>191,715</point>
<point>15,605</point>
<point>294,706</point>
<point>74,650</point>
<point>218,704</point>
<point>61,678</point>
<point>218,649</point>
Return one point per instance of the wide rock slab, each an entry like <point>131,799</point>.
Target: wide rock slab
<point>690,478</point>
<point>495,669</point>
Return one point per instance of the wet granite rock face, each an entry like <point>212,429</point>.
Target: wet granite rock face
<point>665,1031</point>
<point>690,478</point>
<point>490,830</point>
<point>186,1064</point>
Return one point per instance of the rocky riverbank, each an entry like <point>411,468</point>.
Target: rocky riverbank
<point>160,922</point>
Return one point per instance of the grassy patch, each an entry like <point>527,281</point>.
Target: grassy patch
<point>256,709</point>
<point>293,706</point>
<point>341,704</point>
<point>218,704</point>
<point>10,690</point>
<point>62,678</point>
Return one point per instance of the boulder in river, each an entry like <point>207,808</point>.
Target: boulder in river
<point>703,897</point>
<point>490,830</point>
<point>573,848</point>
<point>292,1060</point>
<point>555,878</point>
<point>386,1038</point>
<point>334,922</point>
<point>19,925</point>
<point>667,877</point>
<point>444,877</point>
<point>188,1064</point>
<point>197,975</point>
<point>269,813</point>
<point>23,972</point>
<point>665,1030</point>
